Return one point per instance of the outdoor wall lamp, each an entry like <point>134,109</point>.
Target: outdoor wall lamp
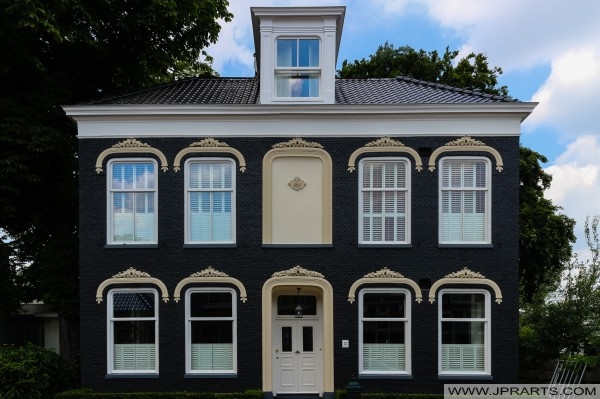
<point>298,311</point>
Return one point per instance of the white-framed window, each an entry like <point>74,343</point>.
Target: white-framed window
<point>132,331</point>
<point>210,201</point>
<point>384,331</point>
<point>384,201</point>
<point>465,200</point>
<point>132,210</point>
<point>210,331</point>
<point>464,331</point>
<point>298,67</point>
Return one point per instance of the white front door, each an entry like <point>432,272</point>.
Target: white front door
<point>297,356</point>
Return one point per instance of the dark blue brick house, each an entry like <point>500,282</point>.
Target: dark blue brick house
<point>292,231</point>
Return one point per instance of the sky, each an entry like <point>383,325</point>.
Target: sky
<point>549,51</point>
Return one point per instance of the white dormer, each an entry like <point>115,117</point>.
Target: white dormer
<point>296,53</point>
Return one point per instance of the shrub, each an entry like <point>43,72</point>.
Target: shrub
<point>33,372</point>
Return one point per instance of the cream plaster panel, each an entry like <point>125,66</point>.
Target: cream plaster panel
<point>297,215</point>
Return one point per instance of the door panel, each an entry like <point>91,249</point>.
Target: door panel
<point>296,356</point>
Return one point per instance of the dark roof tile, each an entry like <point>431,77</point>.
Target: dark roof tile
<point>399,90</point>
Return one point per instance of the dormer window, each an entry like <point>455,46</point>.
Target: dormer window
<point>298,68</point>
<point>296,53</point>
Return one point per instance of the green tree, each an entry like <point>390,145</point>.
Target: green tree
<point>471,72</point>
<point>567,324</point>
<point>67,52</point>
<point>546,235</point>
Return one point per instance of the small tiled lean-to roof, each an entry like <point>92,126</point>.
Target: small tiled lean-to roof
<point>399,90</point>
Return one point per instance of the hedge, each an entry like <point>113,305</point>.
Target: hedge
<point>254,394</point>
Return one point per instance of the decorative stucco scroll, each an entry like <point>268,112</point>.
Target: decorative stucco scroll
<point>209,144</point>
<point>297,143</point>
<point>384,276</point>
<point>466,143</point>
<point>384,144</point>
<point>210,275</point>
<point>128,146</point>
<point>297,271</point>
<point>297,183</point>
<point>465,276</point>
<point>132,276</point>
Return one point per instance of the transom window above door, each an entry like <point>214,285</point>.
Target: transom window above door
<point>298,68</point>
<point>286,304</point>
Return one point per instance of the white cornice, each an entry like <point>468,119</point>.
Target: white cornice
<point>127,121</point>
<point>79,112</point>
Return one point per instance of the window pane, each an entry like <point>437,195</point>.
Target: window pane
<point>463,305</point>
<point>133,304</point>
<point>210,201</point>
<point>286,53</point>
<point>464,200</point>
<point>212,332</point>
<point>383,201</point>
<point>309,53</point>
<point>383,332</point>
<point>211,304</point>
<point>133,205</point>
<point>134,332</point>
<point>461,332</point>
<point>307,339</point>
<point>297,84</point>
<point>286,339</point>
<point>383,305</point>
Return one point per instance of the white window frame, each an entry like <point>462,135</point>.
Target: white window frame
<point>487,331</point>
<point>407,190</point>
<point>488,201</point>
<point>298,70</point>
<point>188,329</point>
<point>407,331</point>
<point>110,204</point>
<point>110,356</point>
<point>187,223</point>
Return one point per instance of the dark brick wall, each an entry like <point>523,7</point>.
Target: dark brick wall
<point>249,262</point>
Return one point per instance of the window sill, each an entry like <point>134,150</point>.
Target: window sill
<point>210,375</point>
<point>132,375</point>
<point>121,246</point>
<point>385,377</point>
<point>482,377</point>
<point>207,245</point>
<point>364,245</point>
<point>297,245</point>
<point>466,245</point>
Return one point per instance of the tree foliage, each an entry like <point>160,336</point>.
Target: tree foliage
<point>546,235</point>
<point>568,324</point>
<point>67,52</point>
<point>471,72</point>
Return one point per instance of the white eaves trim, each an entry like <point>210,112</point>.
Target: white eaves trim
<point>123,121</point>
